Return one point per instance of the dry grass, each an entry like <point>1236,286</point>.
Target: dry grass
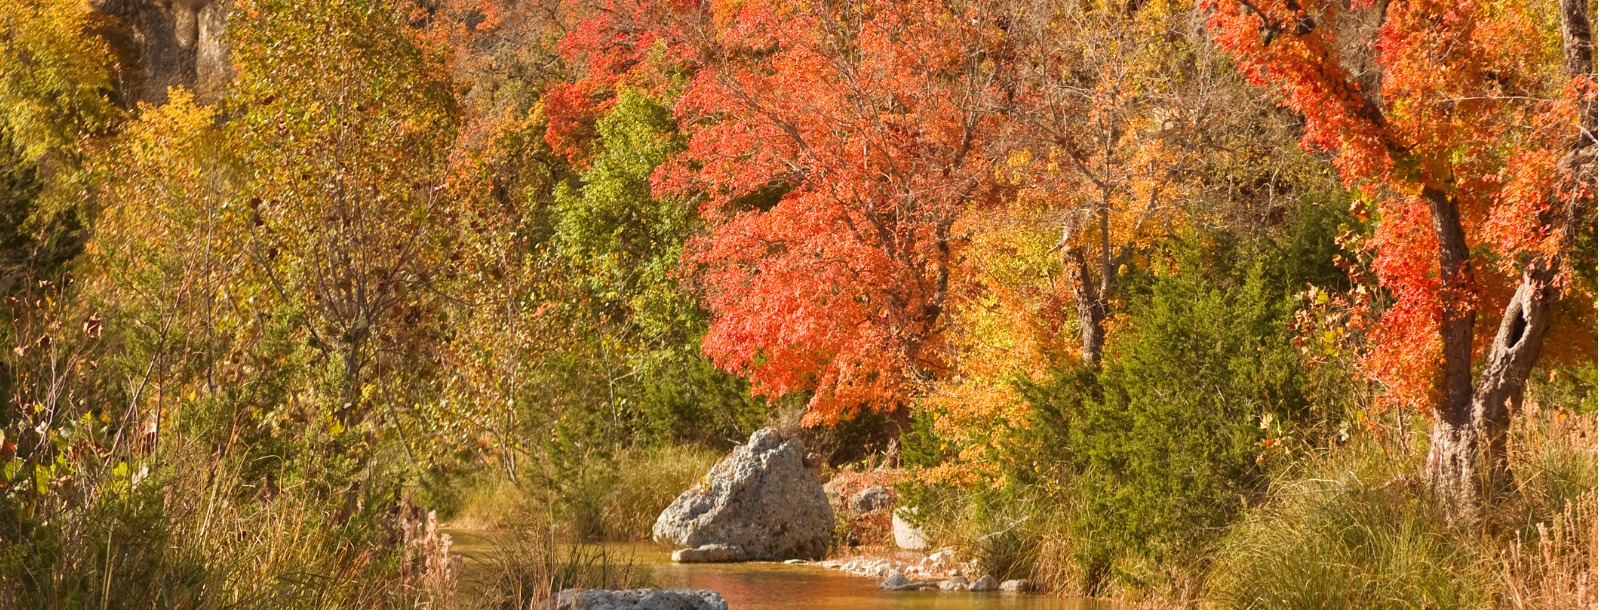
<point>1548,559</point>
<point>194,538</point>
<point>525,567</point>
<point>1357,533</point>
<point>620,505</point>
<point>647,481</point>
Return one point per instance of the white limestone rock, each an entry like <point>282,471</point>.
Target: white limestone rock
<point>761,498</point>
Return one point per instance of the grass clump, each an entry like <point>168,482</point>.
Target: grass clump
<point>1346,539</point>
<point>526,567</point>
<point>1355,530</point>
<point>612,496</point>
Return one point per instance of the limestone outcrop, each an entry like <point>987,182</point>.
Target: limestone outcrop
<point>170,42</point>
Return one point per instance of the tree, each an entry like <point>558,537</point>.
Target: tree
<point>1100,117</point>
<point>55,90</point>
<point>833,147</point>
<point>345,117</point>
<point>623,247</point>
<point>55,76</point>
<point>171,273</point>
<point>1474,144</point>
<point>55,106</point>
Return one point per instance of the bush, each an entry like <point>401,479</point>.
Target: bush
<point>1197,389</point>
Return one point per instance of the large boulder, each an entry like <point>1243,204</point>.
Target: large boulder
<point>640,599</point>
<point>761,498</point>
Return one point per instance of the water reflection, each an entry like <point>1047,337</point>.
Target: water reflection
<point>781,587</point>
<point>775,586</point>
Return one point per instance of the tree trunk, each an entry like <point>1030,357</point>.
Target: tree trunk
<point>1091,307</point>
<point>1455,454</point>
<point>1509,361</point>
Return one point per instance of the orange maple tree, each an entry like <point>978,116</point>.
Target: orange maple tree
<point>831,149</point>
<point>1474,147</point>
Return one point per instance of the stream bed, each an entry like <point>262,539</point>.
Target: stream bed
<point>777,586</point>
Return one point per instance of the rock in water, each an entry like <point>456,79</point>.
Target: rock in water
<point>709,553</point>
<point>987,583</point>
<point>640,599</point>
<point>906,535</point>
<point>1017,586</point>
<point>895,581</point>
<point>761,498</point>
<point>958,583</point>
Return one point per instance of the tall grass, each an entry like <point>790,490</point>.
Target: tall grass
<point>616,499</point>
<point>526,567</point>
<point>1355,531</point>
<point>1547,556</point>
<point>1349,541</point>
<point>647,481</point>
<point>189,538</point>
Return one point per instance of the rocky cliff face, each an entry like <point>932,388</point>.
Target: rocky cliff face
<point>170,42</point>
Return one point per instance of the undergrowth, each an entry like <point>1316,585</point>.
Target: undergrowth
<point>1355,530</point>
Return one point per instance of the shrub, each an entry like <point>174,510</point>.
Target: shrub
<point>1197,389</point>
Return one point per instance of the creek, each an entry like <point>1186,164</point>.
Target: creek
<point>777,586</point>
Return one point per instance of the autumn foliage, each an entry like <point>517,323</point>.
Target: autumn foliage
<point>1474,108</point>
<point>832,150</point>
<point>1142,299</point>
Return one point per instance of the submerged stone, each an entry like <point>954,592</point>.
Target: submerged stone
<point>640,599</point>
<point>1019,585</point>
<point>895,581</point>
<point>709,553</point>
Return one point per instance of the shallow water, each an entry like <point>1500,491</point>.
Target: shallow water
<point>776,586</point>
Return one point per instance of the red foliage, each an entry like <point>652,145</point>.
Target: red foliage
<point>832,149</point>
<point>1473,106</point>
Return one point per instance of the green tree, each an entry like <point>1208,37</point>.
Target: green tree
<point>625,247</point>
<point>345,118</point>
<point>1201,397</point>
